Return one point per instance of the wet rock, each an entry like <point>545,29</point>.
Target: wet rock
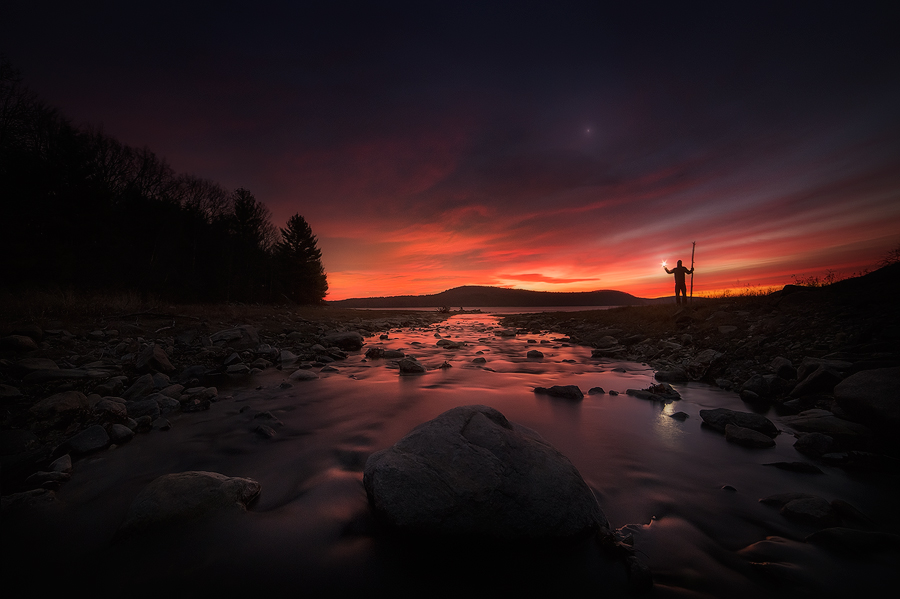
<point>349,340</point>
<point>782,367</point>
<point>674,375</point>
<point>596,391</point>
<point>471,472</point>
<point>822,380</point>
<point>303,375</point>
<point>141,387</point>
<point>534,354</point>
<point>811,510</point>
<point>814,444</point>
<point>809,365</point>
<point>178,498</point>
<point>681,416</point>
<point>91,439</point>
<point>757,386</point>
<point>719,418</point>
<point>62,464</point>
<point>154,359</point>
<point>410,366</point>
<point>823,421</point>
<point>265,431</point>
<point>479,360</point>
<point>701,363</point>
<point>113,387</point>
<point>872,394</point>
<point>564,391</point>
<point>65,405</point>
<point>240,337</point>
<point>143,407</point>
<point>111,410</point>
<point>747,437</point>
<point>119,433</point>
<point>663,393</point>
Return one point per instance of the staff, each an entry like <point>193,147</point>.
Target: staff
<point>693,247</point>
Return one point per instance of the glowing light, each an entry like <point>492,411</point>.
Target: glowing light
<point>664,263</point>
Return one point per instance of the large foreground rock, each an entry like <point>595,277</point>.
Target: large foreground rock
<point>174,498</point>
<point>872,394</point>
<point>471,472</point>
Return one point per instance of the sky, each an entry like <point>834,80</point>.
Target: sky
<point>554,146</point>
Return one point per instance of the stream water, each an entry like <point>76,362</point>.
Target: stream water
<point>309,533</point>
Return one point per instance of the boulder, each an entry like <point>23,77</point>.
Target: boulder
<point>675,375</point>
<point>823,421</point>
<point>93,438</point>
<point>872,394</point>
<point>534,354</point>
<point>185,496</point>
<point>153,359</point>
<point>821,380</point>
<point>348,340</point>
<point>719,418</point>
<point>814,444</point>
<point>472,473</point>
<point>565,391</point>
<point>61,405</point>
<point>663,393</point>
<point>782,367</point>
<point>811,510</point>
<point>241,337</point>
<point>303,375</point>
<point>747,437</point>
<point>410,366</point>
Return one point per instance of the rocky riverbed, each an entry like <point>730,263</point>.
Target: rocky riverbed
<point>829,356</point>
<point>76,385</point>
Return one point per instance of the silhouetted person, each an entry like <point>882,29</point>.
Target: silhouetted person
<point>679,272</point>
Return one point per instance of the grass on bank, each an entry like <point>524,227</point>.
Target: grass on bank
<point>76,310</point>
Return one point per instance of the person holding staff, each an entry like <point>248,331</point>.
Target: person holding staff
<point>680,283</point>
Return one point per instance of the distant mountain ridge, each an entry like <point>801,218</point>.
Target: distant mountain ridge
<point>492,297</point>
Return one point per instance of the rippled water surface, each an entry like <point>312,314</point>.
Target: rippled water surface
<point>309,532</point>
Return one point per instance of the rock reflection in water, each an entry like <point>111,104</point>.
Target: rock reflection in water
<point>310,530</point>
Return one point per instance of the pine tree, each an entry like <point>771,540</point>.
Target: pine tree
<point>302,275</point>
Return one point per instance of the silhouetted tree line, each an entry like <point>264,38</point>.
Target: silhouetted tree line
<point>82,210</point>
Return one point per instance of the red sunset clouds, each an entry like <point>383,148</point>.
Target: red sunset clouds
<point>560,147</point>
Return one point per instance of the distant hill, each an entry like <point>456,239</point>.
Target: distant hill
<point>491,297</point>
